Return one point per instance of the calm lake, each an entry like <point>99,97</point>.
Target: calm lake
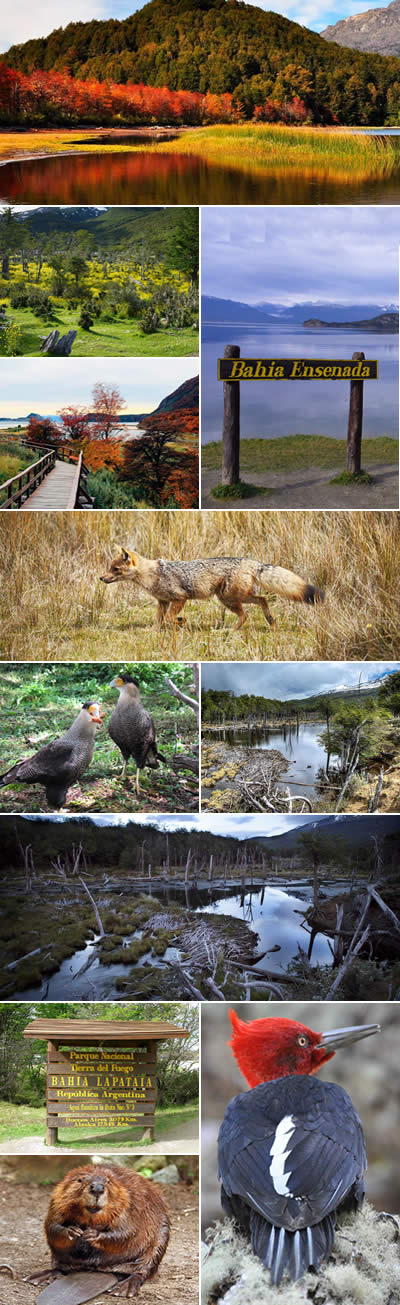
<point>300,408</point>
<point>147,178</point>
<point>271,912</point>
<point>299,744</point>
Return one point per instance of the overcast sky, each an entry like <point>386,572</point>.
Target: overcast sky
<point>234,826</point>
<point>23,20</point>
<point>46,384</point>
<point>346,255</point>
<point>290,679</point>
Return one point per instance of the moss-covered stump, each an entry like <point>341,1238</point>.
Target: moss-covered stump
<point>364,1268</point>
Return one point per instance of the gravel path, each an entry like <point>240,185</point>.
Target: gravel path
<point>187,1135</point>
<point>308,489</point>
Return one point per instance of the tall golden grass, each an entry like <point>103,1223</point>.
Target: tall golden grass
<point>54,606</point>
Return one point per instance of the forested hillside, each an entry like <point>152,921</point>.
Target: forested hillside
<point>219,47</point>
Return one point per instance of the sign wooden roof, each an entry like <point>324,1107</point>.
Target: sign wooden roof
<point>108,1032</point>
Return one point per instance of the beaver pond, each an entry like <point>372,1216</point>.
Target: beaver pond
<point>146,177</point>
<point>170,941</point>
<point>297,745</point>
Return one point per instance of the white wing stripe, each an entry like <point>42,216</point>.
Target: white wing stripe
<point>279,1152</point>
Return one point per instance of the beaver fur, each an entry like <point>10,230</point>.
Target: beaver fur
<point>108,1218</point>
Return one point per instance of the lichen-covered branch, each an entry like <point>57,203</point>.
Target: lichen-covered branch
<point>364,1268</point>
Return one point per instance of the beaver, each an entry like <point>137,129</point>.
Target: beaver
<point>108,1218</point>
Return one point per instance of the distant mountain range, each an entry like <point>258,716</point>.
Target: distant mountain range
<point>358,830</point>
<point>114,227</point>
<point>373,30</point>
<point>225,312</point>
<point>185,396</point>
<point>384,322</point>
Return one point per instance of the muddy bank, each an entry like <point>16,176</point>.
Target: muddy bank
<point>224,768</point>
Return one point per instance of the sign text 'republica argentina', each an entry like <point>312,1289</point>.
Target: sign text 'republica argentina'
<point>297,369</point>
<point>119,1084</point>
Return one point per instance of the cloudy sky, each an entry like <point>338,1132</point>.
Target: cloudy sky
<point>233,826</point>
<point>46,384</point>
<point>23,20</point>
<point>346,255</point>
<point>291,679</point>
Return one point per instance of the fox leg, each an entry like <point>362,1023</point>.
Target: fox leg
<point>162,611</point>
<point>175,608</point>
<point>234,605</point>
<point>262,602</point>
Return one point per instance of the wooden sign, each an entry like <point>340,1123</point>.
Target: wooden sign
<point>101,1087</point>
<point>297,369</point>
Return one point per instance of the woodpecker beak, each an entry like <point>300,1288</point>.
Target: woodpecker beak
<point>343,1037</point>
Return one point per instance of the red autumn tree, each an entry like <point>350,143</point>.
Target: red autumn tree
<point>41,430</point>
<point>107,405</point>
<point>152,460</point>
<point>75,423</point>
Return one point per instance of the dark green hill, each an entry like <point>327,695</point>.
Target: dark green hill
<point>219,46</point>
<point>112,227</point>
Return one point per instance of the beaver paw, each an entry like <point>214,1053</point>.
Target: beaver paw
<point>128,1288</point>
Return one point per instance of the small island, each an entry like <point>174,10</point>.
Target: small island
<point>386,322</point>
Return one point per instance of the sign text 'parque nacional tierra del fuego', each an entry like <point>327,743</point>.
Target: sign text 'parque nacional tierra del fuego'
<point>101,1073</point>
<point>297,369</point>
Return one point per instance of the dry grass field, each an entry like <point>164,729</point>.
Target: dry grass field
<point>54,606</point>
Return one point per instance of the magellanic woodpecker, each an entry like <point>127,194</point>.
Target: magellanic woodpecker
<point>292,1150</point>
<point>132,727</point>
<point>61,763</point>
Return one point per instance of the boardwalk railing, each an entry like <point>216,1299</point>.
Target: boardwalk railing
<point>79,491</point>
<point>21,486</point>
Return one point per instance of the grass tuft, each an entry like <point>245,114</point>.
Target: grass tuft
<point>240,489</point>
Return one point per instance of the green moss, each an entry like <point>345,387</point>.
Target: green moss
<point>352,478</point>
<point>240,489</point>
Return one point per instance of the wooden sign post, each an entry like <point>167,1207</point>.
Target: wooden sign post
<point>232,369</point>
<point>100,1073</point>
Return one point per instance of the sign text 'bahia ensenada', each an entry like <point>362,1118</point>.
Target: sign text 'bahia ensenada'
<point>297,369</point>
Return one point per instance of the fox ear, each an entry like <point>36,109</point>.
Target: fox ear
<point>125,554</point>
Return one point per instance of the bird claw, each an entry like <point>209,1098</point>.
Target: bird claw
<point>393,1218</point>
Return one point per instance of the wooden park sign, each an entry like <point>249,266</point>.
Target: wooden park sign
<point>232,369</point>
<point>100,1073</point>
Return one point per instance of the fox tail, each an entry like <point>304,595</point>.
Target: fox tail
<point>276,580</point>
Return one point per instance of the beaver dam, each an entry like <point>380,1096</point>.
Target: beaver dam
<point>322,920</point>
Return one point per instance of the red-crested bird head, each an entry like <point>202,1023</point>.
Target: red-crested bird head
<point>272,1048</point>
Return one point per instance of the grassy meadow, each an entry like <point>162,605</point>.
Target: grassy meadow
<point>53,604</point>
<point>298,452</point>
<point>114,302</point>
<point>334,151</point>
<point>30,1121</point>
<point>14,458</point>
<point>39,703</point>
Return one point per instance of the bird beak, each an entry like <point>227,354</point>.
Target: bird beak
<point>116,683</point>
<point>96,714</point>
<point>343,1037</point>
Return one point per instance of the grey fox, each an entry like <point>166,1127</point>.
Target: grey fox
<point>234,580</point>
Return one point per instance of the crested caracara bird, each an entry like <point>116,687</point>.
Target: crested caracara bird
<point>59,764</point>
<point>131,727</point>
<point>292,1150</point>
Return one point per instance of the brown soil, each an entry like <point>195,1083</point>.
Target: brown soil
<point>22,1245</point>
<point>389,798</point>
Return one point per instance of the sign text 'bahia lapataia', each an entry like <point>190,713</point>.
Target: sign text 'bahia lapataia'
<point>296,369</point>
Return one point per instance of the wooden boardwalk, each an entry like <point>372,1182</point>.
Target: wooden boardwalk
<point>55,490</point>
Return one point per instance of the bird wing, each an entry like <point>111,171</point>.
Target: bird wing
<point>292,1150</point>
<point>54,759</point>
